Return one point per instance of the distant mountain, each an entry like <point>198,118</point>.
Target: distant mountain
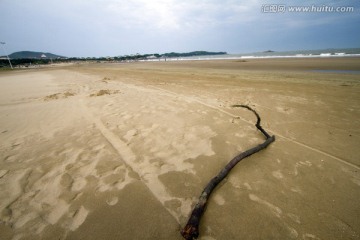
<point>34,55</point>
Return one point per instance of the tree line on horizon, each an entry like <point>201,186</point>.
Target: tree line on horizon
<point>28,61</point>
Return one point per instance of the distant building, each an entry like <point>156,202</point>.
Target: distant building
<point>43,56</point>
<point>151,57</point>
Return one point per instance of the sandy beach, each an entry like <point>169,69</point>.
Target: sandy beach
<point>123,150</point>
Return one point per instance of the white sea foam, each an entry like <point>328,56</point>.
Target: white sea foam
<point>344,52</point>
<point>239,57</point>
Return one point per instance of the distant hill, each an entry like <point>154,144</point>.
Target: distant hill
<point>33,55</point>
<point>191,54</point>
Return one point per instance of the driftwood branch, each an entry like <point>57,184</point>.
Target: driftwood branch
<point>191,230</point>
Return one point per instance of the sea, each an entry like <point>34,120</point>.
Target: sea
<point>324,53</point>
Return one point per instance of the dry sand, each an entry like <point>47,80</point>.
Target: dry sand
<point>122,151</point>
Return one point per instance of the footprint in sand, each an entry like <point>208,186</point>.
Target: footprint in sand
<point>219,200</point>
<point>278,175</point>
<point>79,217</point>
<point>308,236</point>
<point>112,201</point>
<point>78,184</point>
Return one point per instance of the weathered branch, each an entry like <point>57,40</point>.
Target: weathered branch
<point>191,230</point>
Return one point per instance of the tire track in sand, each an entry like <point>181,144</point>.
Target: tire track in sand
<point>343,161</point>
<point>129,158</point>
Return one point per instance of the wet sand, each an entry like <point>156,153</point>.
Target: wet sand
<point>122,151</point>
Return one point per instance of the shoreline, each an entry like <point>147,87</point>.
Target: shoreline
<point>230,57</point>
<point>353,60</point>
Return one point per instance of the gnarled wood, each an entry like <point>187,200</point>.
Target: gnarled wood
<point>191,230</point>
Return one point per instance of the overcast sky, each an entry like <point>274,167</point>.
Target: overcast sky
<point>96,28</point>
